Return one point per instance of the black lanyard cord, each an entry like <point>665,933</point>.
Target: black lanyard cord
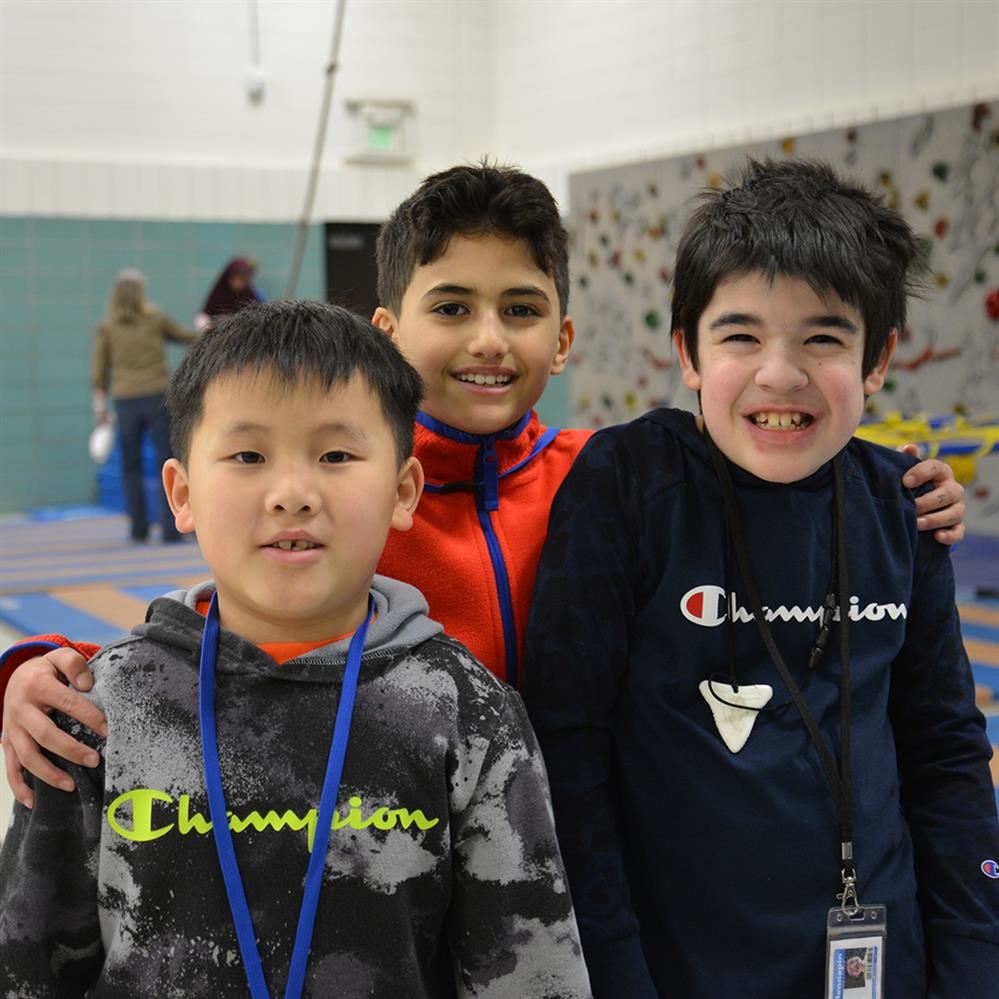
<point>838,778</point>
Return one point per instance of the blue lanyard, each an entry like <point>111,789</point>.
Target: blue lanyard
<point>327,803</point>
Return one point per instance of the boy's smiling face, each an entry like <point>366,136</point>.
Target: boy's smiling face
<point>292,490</point>
<point>780,374</point>
<point>481,324</point>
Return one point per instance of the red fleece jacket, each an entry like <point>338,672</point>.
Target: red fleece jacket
<point>446,553</point>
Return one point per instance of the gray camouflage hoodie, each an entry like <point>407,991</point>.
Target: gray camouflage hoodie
<point>443,877</point>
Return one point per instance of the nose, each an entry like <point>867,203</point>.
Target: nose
<point>293,490</point>
<point>489,338</point>
<point>781,372</point>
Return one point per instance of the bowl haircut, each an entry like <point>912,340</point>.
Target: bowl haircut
<point>295,343</point>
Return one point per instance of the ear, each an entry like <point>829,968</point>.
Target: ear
<point>566,334</point>
<point>178,494</point>
<point>385,320</point>
<point>876,377</point>
<point>691,376</point>
<point>409,490</point>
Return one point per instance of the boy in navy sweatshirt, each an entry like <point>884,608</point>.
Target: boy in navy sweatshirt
<point>744,663</point>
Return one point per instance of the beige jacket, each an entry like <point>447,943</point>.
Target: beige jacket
<point>130,358</point>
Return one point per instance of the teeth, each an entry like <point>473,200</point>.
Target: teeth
<point>486,379</point>
<point>781,421</point>
<point>299,545</point>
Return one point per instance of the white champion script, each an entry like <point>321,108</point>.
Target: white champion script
<point>709,606</point>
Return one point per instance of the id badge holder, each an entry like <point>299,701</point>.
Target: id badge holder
<point>855,952</point>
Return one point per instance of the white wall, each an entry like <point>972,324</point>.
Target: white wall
<point>590,83</point>
<point>139,107</point>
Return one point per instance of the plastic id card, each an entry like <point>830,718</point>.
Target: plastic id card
<point>855,953</point>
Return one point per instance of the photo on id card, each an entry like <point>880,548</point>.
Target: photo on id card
<point>855,968</point>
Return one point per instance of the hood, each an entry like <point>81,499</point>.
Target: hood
<point>400,623</point>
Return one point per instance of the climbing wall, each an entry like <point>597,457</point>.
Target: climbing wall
<point>941,169</point>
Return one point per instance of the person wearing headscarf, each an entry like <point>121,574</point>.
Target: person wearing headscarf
<point>130,365</point>
<point>233,289</point>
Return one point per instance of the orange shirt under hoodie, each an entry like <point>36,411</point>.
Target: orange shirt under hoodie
<point>475,542</point>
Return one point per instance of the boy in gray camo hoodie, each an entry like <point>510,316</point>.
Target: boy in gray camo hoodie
<point>407,849</point>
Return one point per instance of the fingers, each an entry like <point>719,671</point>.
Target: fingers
<point>48,693</point>
<point>15,775</point>
<point>942,509</point>
<point>22,744</point>
<point>71,665</point>
<point>932,470</point>
<point>36,687</point>
<point>951,535</point>
<point>947,524</point>
<point>947,500</point>
<point>33,693</point>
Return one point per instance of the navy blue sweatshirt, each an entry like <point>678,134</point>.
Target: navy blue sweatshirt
<point>698,872</point>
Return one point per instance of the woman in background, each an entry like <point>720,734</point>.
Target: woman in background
<point>233,289</point>
<point>130,364</point>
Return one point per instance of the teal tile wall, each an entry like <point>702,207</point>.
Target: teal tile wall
<point>553,406</point>
<point>54,278</point>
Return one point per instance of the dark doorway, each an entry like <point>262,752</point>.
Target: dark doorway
<point>351,275</point>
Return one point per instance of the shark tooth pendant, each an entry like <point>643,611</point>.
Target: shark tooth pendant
<point>735,723</point>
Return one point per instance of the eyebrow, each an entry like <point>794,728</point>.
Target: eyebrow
<point>333,427</point>
<point>526,291</point>
<point>824,321</point>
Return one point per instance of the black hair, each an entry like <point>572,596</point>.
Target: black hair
<point>294,341</point>
<point>484,199</point>
<point>801,220</point>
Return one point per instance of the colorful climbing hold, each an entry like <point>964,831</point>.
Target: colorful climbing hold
<point>787,145</point>
<point>922,200</point>
<point>653,320</point>
<point>940,228</point>
<point>941,171</point>
<point>992,305</point>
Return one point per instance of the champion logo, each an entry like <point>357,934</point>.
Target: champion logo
<point>990,869</point>
<point>704,605</point>
<point>708,606</point>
